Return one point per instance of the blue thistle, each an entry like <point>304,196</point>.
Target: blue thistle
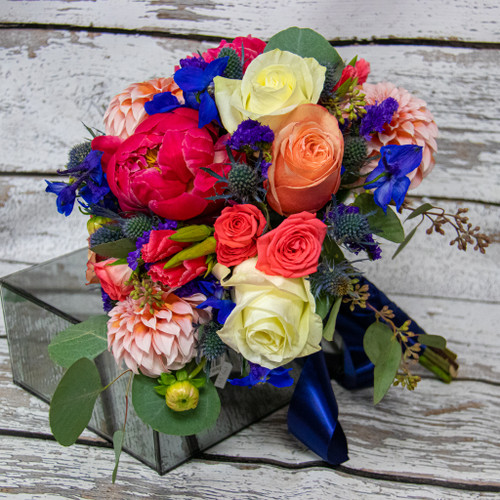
<point>105,234</point>
<point>78,154</point>
<point>349,227</point>
<point>210,345</point>
<point>332,279</point>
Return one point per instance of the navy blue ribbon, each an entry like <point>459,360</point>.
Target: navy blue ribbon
<point>313,412</point>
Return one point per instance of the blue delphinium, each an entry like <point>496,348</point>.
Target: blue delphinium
<point>396,162</point>
<point>194,78</point>
<point>87,181</point>
<point>161,103</point>
<point>279,377</point>
<point>377,115</point>
<point>215,299</point>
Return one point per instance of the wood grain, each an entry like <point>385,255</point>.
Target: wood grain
<point>335,19</point>
<point>85,70</point>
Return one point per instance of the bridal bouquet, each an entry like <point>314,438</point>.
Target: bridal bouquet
<point>229,205</point>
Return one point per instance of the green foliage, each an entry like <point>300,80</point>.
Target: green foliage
<point>331,251</point>
<point>323,305</point>
<point>420,210</point>
<point>384,351</point>
<point>118,249</point>
<point>192,233</point>
<point>73,401</point>
<point>307,43</point>
<point>329,328</point>
<point>409,236</point>
<point>83,340</point>
<point>432,341</point>
<point>387,225</point>
<point>118,437</point>
<point>151,408</point>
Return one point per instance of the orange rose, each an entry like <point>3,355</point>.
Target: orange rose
<point>307,158</point>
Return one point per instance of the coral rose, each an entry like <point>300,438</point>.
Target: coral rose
<point>412,123</point>
<point>274,84</point>
<point>274,320</point>
<point>236,232</point>
<point>292,249</point>
<point>126,110</point>
<point>114,278</point>
<point>155,338</point>
<point>307,159</point>
<point>159,167</point>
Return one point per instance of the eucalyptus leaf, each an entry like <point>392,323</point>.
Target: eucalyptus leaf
<point>432,341</point>
<point>118,437</point>
<point>329,329</point>
<point>73,401</point>
<point>152,409</point>
<point>307,43</point>
<point>87,339</point>
<point>323,305</point>
<point>384,351</point>
<point>385,371</point>
<point>386,225</point>
<point>420,210</point>
<point>118,249</point>
<point>409,236</point>
<point>377,337</point>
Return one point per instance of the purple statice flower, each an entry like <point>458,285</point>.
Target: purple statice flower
<point>395,163</point>
<point>349,227</point>
<point>377,115</point>
<point>279,377</point>
<point>193,62</point>
<point>252,135</point>
<point>134,256</point>
<point>107,302</point>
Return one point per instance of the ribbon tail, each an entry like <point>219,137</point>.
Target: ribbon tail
<point>313,412</point>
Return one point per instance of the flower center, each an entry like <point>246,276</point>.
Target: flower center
<point>151,157</point>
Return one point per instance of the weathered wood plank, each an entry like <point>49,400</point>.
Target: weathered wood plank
<point>82,71</point>
<point>83,472</point>
<point>336,20</point>
<point>381,439</point>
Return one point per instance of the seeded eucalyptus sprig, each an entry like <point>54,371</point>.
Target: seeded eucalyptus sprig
<point>438,217</point>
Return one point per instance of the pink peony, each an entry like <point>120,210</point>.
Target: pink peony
<point>114,279</point>
<point>252,48</point>
<point>155,339</point>
<point>159,167</point>
<point>126,110</point>
<point>412,123</point>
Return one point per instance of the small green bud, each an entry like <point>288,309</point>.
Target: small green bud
<point>95,223</point>
<point>182,396</point>
<point>192,233</point>
<point>205,247</point>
